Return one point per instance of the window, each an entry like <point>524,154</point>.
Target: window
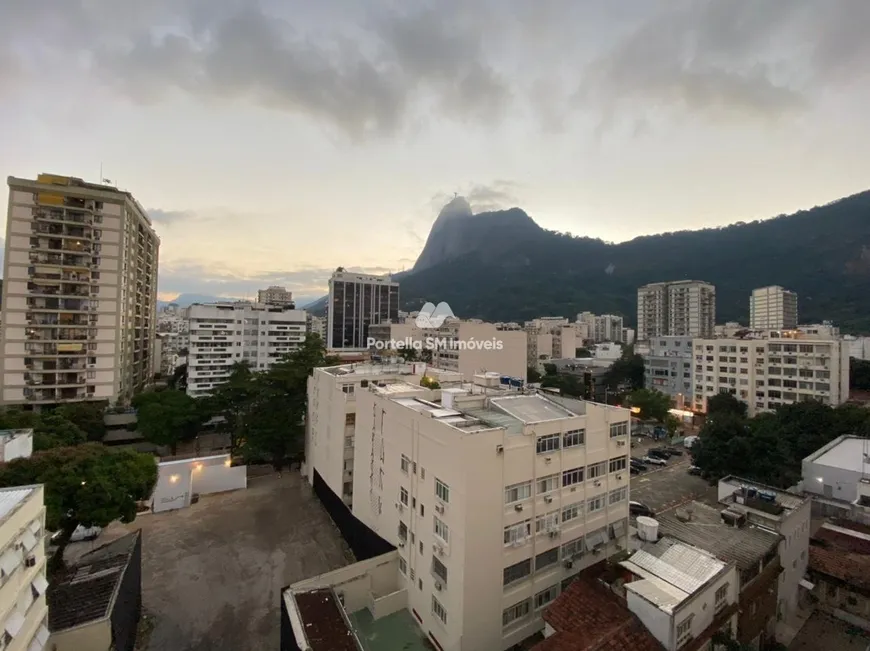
<point>403,496</point>
<point>517,533</point>
<point>548,443</point>
<point>350,419</point>
<point>403,531</point>
<point>405,464</point>
<point>684,631</point>
<point>441,530</point>
<point>422,509</point>
<point>442,490</point>
<point>348,442</point>
<point>547,558</point>
<point>573,438</point>
<point>547,522</point>
<point>546,596</point>
<point>597,470</point>
<point>618,429</point>
<point>572,548</point>
<point>595,504</point>
<point>517,572</point>
<point>516,612</point>
<point>548,483</point>
<point>439,611</point>
<point>721,597</point>
<point>572,511</point>
<point>403,566</point>
<point>517,492</point>
<point>617,464</point>
<point>439,570</point>
<point>571,477</point>
<point>618,495</point>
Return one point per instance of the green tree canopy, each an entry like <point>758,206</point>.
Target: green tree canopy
<point>167,417</point>
<point>859,374</point>
<point>725,403</point>
<point>652,404</point>
<point>532,375</point>
<point>50,429</point>
<point>87,416</point>
<point>625,373</point>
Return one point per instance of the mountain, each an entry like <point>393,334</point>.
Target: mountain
<point>186,300</point>
<point>501,266</point>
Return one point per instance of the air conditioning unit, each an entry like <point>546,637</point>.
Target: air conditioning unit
<point>518,507</point>
<point>619,476</point>
<point>401,543</point>
<point>438,586</point>
<point>548,459</point>
<point>569,564</point>
<point>439,508</point>
<point>499,449</point>
<point>554,533</point>
<point>30,561</point>
<point>548,499</point>
<point>597,482</point>
<point>620,443</point>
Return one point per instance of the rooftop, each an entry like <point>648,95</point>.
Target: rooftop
<point>12,433</point>
<point>670,572</point>
<point>743,546</point>
<point>326,625</point>
<point>842,551</point>
<point>531,408</point>
<point>12,498</point>
<point>783,500</point>
<point>845,453</point>
<point>86,591</point>
<point>588,616</point>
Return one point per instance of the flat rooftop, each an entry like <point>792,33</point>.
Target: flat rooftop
<point>374,368</point>
<point>396,631</point>
<point>670,572</point>
<point>845,453</point>
<point>701,526</point>
<point>532,409</point>
<point>12,498</point>
<point>785,499</point>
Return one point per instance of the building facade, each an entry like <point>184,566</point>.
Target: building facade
<point>838,470</point>
<point>473,347</point>
<point>668,368</point>
<point>773,308</point>
<point>80,297</point>
<point>493,501</point>
<point>549,338</point>
<point>684,308</point>
<point>23,607</point>
<point>275,295</point>
<point>224,334</point>
<point>770,369</point>
<point>603,327</point>
<point>357,301</point>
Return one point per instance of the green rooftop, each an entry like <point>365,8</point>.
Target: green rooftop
<point>396,632</point>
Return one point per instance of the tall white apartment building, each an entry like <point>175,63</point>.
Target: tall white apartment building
<point>357,301</point>
<point>494,501</point>
<point>602,327</point>
<point>685,308</point>
<point>773,308</point>
<point>317,325</point>
<point>223,334</point>
<point>80,295</point>
<point>276,295</point>
<point>23,608</point>
<point>766,371</point>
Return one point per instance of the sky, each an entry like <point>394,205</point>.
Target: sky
<point>274,141</point>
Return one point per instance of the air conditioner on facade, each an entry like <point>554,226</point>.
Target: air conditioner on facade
<point>499,449</point>
<point>548,499</point>
<point>518,507</point>
<point>439,508</point>
<point>438,586</point>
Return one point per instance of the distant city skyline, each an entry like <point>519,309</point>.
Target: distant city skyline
<point>274,143</point>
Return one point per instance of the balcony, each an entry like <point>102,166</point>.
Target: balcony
<point>61,216</point>
<point>60,230</point>
<point>65,304</point>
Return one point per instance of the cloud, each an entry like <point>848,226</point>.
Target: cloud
<point>169,217</point>
<point>498,195</point>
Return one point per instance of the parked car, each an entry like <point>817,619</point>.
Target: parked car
<point>674,452</point>
<point>81,533</point>
<point>636,460</point>
<point>638,465</point>
<point>656,461</point>
<point>694,470</point>
<point>639,508</point>
<point>658,452</point>
<point>634,470</point>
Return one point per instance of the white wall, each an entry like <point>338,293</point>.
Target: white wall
<point>178,480</point>
<point>19,446</point>
<point>656,621</point>
<point>794,552</point>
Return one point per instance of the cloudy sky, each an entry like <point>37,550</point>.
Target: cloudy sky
<point>273,141</point>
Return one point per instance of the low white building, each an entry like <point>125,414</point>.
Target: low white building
<point>493,500</point>
<point>223,334</point>
<point>15,444</point>
<point>836,470</point>
<point>681,593</point>
<point>178,481</point>
<point>773,368</point>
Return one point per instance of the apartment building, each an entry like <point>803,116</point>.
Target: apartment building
<point>23,608</point>
<point>682,594</point>
<point>769,369</point>
<point>80,295</point>
<point>276,295</point>
<point>773,308</point>
<point>317,326</point>
<point>357,301</point>
<point>684,308</point>
<point>549,338</point>
<point>493,501</point>
<point>668,368</point>
<point>784,512</point>
<point>224,334</point>
<point>473,347</point>
<point>603,327</point>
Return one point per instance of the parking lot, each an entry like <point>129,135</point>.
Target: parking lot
<point>666,487</point>
<point>212,573</point>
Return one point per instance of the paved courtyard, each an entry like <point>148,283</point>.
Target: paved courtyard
<point>212,573</point>
<point>667,487</point>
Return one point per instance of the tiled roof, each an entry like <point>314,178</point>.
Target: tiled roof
<point>11,498</point>
<point>86,591</point>
<point>588,616</point>
<point>843,552</point>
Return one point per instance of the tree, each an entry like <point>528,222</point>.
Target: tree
<point>231,401</point>
<point>550,369</point>
<point>726,403</point>
<point>52,430</point>
<point>627,371</point>
<point>582,352</point>
<point>429,382</point>
<point>167,417</point>
<point>532,375</point>
<point>89,485</point>
<point>408,354</point>
<point>87,416</point>
<point>652,404</point>
<point>178,379</point>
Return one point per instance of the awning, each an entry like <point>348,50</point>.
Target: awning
<point>40,584</point>
<point>618,529</point>
<point>14,623</point>
<point>35,527</point>
<point>10,560</point>
<point>596,539</point>
<point>28,540</point>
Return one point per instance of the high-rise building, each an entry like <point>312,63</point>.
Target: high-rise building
<point>80,298</point>
<point>685,308</point>
<point>223,334</point>
<point>600,328</point>
<point>357,301</point>
<point>275,295</point>
<point>773,308</point>
<point>668,368</point>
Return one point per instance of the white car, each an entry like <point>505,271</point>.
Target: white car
<point>655,461</point>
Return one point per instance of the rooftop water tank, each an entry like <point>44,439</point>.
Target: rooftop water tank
<point>647,528</point>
